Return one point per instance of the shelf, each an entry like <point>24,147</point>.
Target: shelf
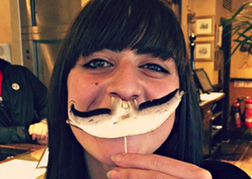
<point>217,115</point>
<point>212,121</point>
<point>215,148</point>
<point>212,97</point>
<point>216,129</point>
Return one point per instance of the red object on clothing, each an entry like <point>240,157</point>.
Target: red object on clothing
<point>1,79</point>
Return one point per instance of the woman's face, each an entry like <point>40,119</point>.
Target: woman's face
<point>96,78</point>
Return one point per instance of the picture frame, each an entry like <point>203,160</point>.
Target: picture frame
<point>204,51</point>
<point>204,25</point>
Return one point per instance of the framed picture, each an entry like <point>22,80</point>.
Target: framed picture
<point>204,25</point>
<point>204,51</point>
<point>219,31</point>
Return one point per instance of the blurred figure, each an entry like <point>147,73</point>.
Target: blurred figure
<point>23,106</point>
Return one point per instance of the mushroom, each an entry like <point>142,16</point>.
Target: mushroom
<point>125,118</point>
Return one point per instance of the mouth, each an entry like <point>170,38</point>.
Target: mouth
<point>125,118</point>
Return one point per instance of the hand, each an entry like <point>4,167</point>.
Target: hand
<point>42,141</point>
<point>131,166</point>
<point>39,131</point>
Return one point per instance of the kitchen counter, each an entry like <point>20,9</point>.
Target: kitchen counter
<point>212,97</point>
<point>212,121</point>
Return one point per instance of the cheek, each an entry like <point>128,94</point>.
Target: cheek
<point>75,84</point>
<point>81,90</point>
<point>158,89</point>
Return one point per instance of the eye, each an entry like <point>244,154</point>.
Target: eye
<point>97,64</point>
<point>154,67</point>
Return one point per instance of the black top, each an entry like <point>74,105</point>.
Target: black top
<point>220,170</point>
<point>24,103</point>
<point>223,170</point>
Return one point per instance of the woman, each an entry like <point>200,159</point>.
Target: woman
<point>131,50</point>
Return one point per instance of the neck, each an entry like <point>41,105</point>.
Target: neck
<point>97,170</point>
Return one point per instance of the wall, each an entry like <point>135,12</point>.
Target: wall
<point>241,63</point>
<point>236,88</point>
<point>236,92</point>
<point>215,9</point>
<point>205,9</point>
<point>16,33</point>
<point>184,6</point>
<point>5,22</point>
<point>238,69</point>
<point>84,2</point>
<point>9,31</point>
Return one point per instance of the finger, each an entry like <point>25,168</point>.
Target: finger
<point>129,173</point>
<point>162,164</point>
<point>38,129</point>
<point>33,129</point>
<point>44,134</point>
<point>34,136</point>
<point>45,131</point>
<point>42,141</point>
<point>30,130</point>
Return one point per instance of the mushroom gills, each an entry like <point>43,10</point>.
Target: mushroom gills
<point>125,118</point>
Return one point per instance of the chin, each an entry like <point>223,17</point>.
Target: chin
<point>99,148</point>
<point>144,143</point>
<point>102,148</point>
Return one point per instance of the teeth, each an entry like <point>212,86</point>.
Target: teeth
<point>125,105</point>
<point>133,104</point>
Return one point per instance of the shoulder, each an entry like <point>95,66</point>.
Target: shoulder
<point>3,65</point>
<point>220,170</point>
<point>20,68</point>
<point>21,71</point>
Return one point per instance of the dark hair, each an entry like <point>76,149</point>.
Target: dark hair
<point>148,26</point>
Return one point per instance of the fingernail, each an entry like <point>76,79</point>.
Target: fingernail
<point>117,158</point>
<point>113,174</point>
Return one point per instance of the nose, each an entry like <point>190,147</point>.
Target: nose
<point>125,83</point>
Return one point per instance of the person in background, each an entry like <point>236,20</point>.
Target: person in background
<point>23,106</point>
<point>132,50</point>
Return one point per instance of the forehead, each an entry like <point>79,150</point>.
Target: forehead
<point>126,52</point>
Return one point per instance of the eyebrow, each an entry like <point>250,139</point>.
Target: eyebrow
<point>155,52</point>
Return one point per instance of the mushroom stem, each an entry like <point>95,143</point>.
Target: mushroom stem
<point>125,144</point>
